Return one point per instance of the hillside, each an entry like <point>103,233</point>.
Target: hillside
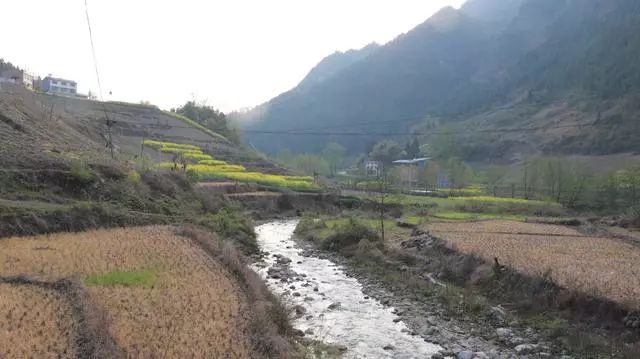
<point>490,65</point>
<point>67,125</point>
<point>57,172</point>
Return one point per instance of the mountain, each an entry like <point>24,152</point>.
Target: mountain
<point>335,63</point>
<point>574,61</point>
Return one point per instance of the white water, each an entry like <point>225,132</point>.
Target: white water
<point>364,326</point>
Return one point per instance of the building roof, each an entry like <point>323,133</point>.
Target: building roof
<point>411,162</point>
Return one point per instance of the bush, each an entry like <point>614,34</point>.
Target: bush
<point>82,173</point>
<point>349,234</point>
<point>231,224</point>
<point>133,177</point>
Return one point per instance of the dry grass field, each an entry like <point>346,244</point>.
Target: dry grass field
<point>164,296</point>
<point>600,266</point>
<point>35,323</point>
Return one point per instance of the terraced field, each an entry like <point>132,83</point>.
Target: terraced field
<point>594,265</point>
<point>162,295</point>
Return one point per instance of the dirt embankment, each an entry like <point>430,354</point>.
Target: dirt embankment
<point>150,291</point>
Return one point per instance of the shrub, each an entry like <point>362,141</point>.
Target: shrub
<point>349,234</point>
<point>82,173</point>
<point>231,224</point>
<point>133,177</point>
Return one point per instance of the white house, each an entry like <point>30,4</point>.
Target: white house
<point>58,86</point>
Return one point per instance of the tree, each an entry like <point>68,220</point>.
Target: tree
<point>460,173</point>
<point>386,151</point>
<point>384,189</point>
<point>210,118</point>
<point>495,176</point>
<point>429,176</point>
<point>412,148</point>
<point>334,154</point>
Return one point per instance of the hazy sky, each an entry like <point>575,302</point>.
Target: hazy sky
<point>232,53</point>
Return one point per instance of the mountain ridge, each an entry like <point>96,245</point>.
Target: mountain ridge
<point>461,63</point>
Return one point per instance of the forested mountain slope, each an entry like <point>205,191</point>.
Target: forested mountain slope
<point>491,64</point>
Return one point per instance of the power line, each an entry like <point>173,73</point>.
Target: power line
<point>430,133</point>
<point>93,49</point>
<point>108,122</point>
<point>355,124</point>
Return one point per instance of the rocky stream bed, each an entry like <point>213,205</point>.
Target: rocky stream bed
<point>371,319</point>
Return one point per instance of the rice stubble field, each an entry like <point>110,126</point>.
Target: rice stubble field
<point>600,266</point>
<point>164,296</point>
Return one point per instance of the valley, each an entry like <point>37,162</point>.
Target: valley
<point>468,189</point>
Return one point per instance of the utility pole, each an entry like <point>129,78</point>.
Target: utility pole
<point>109,124</point>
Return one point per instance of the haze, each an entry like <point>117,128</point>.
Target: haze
<point>232,54</point>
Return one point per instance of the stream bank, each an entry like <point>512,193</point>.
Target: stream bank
<point>464,323</point>
<point>331,306</point>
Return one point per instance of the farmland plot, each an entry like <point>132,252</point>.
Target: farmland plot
<point>35,323</point>
<point>164,296</point>
<point>599,266</point>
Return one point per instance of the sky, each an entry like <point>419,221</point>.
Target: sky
<point>230,54</point>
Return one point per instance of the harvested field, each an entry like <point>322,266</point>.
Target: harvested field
<point>36,323</point>
<point>164,296</point>
<point>599,266</point>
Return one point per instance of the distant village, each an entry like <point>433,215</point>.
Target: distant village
<point>49,85</point>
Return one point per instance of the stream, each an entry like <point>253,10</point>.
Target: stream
<point>331,306</point>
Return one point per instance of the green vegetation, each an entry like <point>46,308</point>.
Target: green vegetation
<point>309,164</point>
<point>82,173</point>
<point>231,224</point>
<point>340,233</point>
<point>480,207</point>
<point>208,119</point>
<point>133,177</point>
<point>190,122</point>
<point>143,278</point>
<point>326,163</point>
<point>466,216</point>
